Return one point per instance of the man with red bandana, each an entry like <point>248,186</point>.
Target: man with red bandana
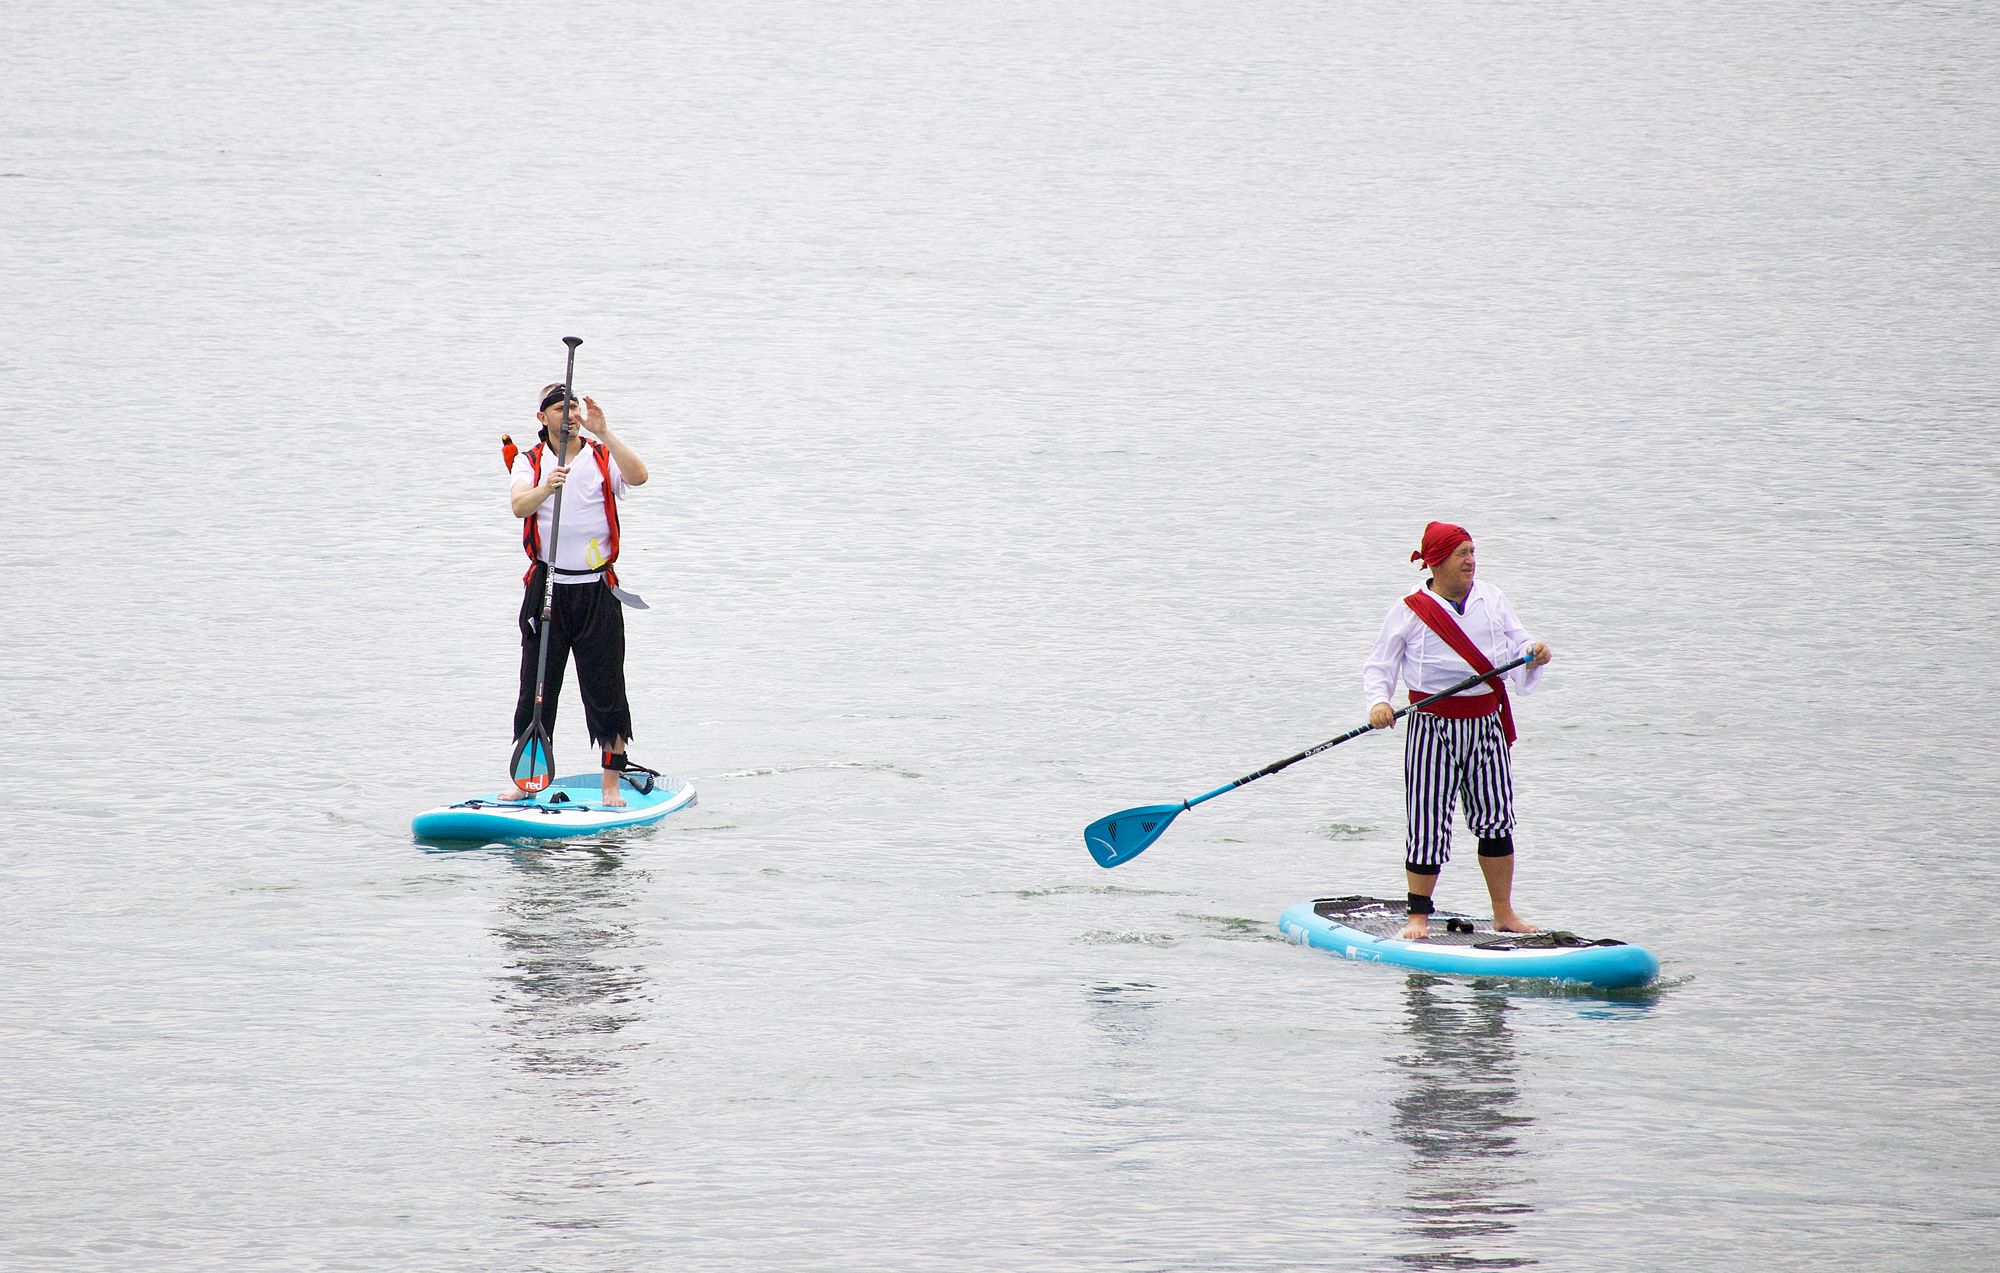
<point>1445,631</point>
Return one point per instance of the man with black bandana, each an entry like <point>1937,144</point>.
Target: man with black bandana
<point>588,618</point>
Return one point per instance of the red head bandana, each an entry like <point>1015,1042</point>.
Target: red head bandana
<point>1440,538</point>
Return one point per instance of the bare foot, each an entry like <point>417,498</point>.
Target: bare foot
<point>1417,929</point>
<point>516,793</point>
<point>1509,922</point>
<point>612,800</point>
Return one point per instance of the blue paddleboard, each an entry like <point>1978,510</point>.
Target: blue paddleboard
<point>1365,928</point>
<point>570,806</point>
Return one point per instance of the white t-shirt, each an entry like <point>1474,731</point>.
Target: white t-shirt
<point>585,540</point>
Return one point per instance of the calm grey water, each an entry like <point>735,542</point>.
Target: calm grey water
<point>1043,400</point>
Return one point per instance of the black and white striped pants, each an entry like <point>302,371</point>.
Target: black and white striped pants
<point>1442,758</point>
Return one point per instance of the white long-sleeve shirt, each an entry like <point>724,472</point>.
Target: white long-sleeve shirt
<point>1409,652</point>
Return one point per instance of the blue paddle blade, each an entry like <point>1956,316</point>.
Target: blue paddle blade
<point>533,767</point>
<point>1116,840</point>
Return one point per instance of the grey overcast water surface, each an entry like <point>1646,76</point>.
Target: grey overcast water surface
<point>1041,400</point>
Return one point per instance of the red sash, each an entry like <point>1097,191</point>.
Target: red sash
<point>531,525</point>
<point>1457,707</point>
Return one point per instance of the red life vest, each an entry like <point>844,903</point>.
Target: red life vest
<point>1458,707</point>
<point>531,525</point>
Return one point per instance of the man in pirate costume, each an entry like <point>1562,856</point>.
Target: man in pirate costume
<point>1453,627</point>
<point>588,619</point>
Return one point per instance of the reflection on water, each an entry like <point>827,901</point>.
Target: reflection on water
<point>564,993</point>
<point>1460,1119</point>
<point>569,991</point>
<point>1130,1122</point>
<point>1123,1012</point>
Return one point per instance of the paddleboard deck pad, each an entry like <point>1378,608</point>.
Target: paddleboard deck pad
<point>568,807</point>
<point>1365,928</point>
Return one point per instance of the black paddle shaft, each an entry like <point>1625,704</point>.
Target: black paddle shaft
<point>555,530</point>
<point>1463,685</point>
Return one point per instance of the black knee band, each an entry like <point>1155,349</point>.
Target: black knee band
<point>1420,905</point>
<point>616,761</point>
<point>1424,868</point>
<point>1500,847</point>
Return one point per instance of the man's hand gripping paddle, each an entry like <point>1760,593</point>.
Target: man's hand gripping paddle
<point>1116,840</point>
<point>533,766</point>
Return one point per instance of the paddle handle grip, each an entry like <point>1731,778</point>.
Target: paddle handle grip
<point>1289,761</point>
<point>555,526</point>
<point>1465,684</point>
<point>555,514</point>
